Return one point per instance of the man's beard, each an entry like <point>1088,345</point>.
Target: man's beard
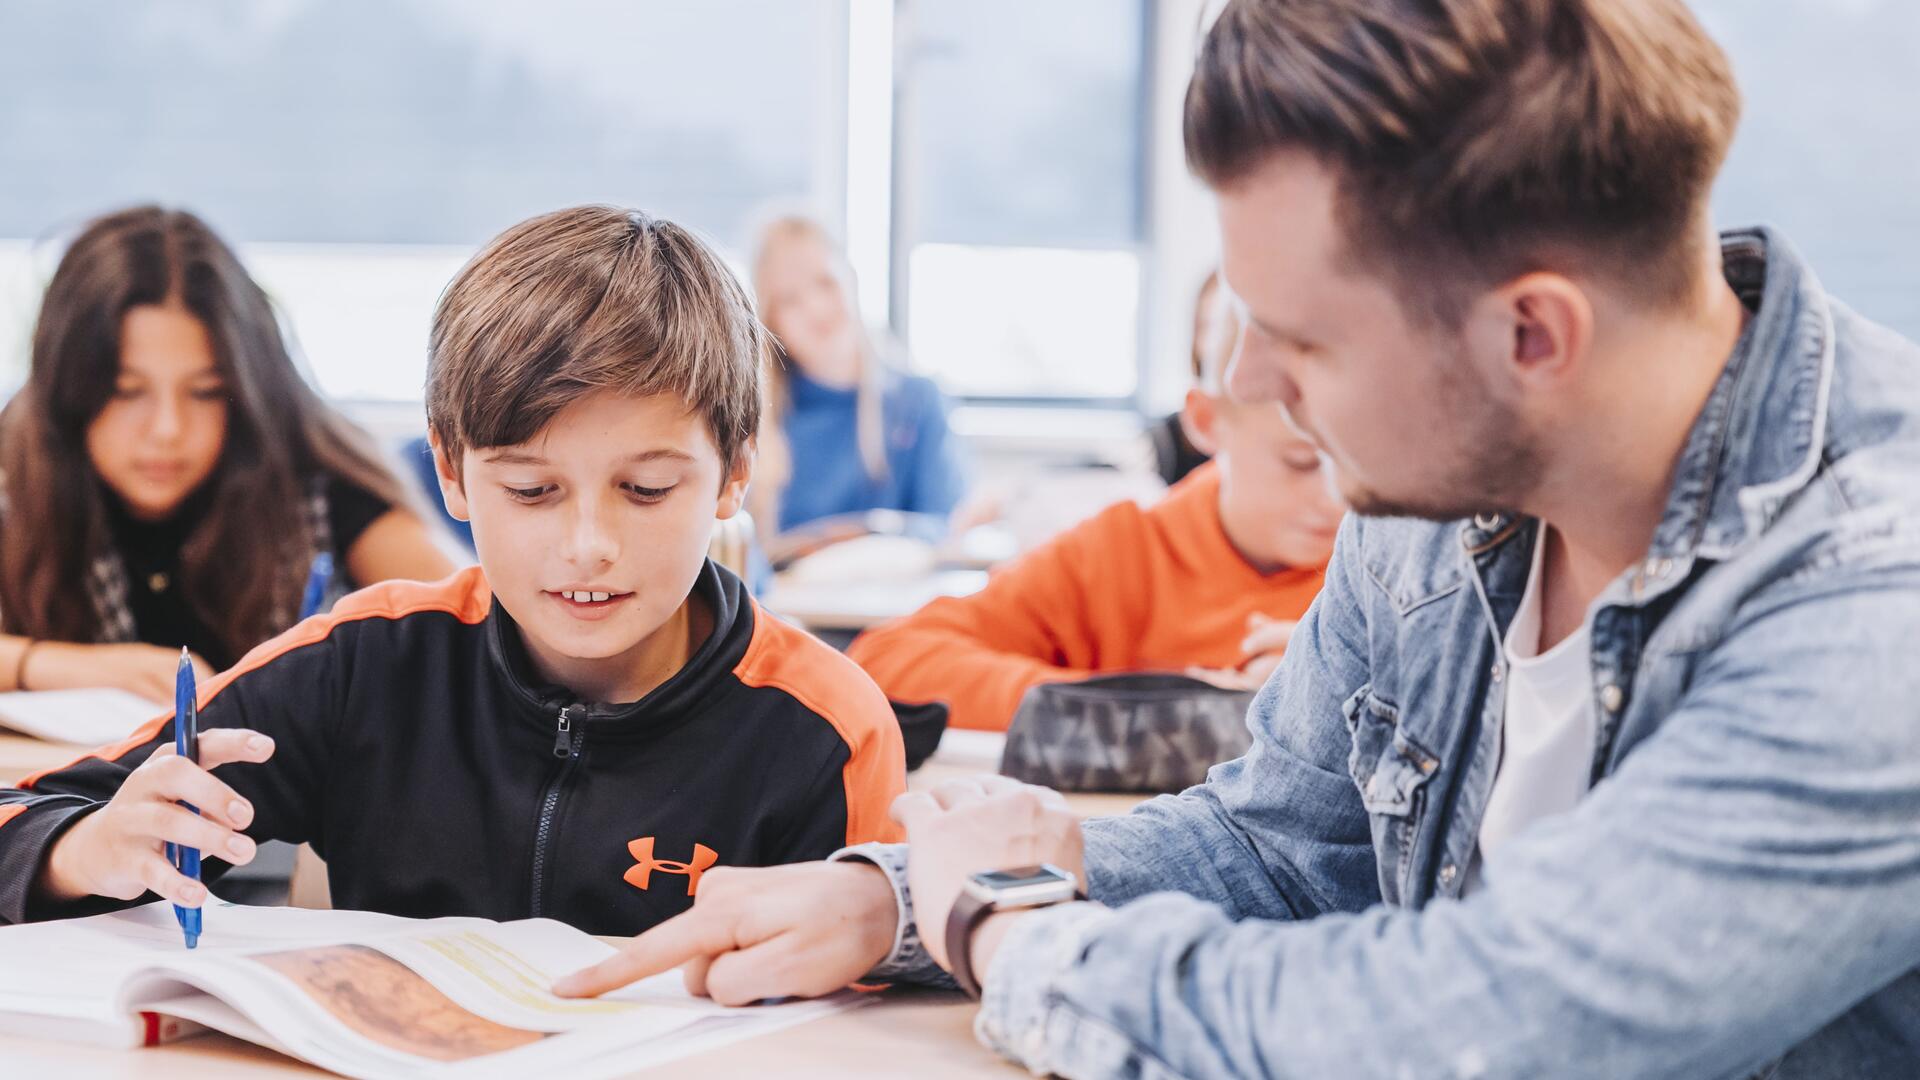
<point>1499,460</point>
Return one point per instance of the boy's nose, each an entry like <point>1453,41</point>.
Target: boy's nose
<point>591,542</point>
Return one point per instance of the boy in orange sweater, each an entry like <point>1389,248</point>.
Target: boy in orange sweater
<point>1209,580</point>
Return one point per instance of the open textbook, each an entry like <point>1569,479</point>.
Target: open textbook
<point>83,717</point>
<point>360,994</point>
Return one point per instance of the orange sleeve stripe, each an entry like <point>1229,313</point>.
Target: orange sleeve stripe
<point>464,595</point>
<point>8,813</point>
<point>834,688</point>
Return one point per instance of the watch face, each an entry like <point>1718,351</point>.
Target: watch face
<point>1023,886</point>
<point>1020,875</point>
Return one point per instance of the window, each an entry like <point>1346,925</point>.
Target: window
<point>1020,195</point>
<point>1826,144</point>
<point>358,150</point>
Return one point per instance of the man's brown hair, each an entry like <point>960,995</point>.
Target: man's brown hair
<point>587,299</point>
<point>1477,140</point>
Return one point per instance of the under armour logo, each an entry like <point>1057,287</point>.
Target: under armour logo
<point>642,852</point>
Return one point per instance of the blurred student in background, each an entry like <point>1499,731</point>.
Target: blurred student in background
<point>844,432</point>
<point>169,476</point>
<point>1174,454</point>
<point>1209,581</point>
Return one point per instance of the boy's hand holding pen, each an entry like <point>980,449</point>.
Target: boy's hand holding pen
<point>119,850</point>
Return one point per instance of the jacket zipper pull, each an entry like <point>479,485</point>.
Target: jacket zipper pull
<point>564,738</point>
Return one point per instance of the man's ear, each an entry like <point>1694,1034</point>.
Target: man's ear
<point>1200,418</point>
<point>733,492</point>
<point>453,491</point>
<point>1537,327</point>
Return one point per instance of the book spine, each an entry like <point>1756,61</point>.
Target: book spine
<point>157,1028</point>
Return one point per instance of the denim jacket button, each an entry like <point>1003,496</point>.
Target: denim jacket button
<point>1447,873</point>
<point>1497,673</point>
<point>1611,698</point>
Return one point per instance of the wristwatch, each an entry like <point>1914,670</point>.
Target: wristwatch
<point>1000,890</point>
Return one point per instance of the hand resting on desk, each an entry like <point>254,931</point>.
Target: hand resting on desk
<point>137,668</point>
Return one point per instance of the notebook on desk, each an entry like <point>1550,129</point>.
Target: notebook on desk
<point>83,717</point>
<point>360,994</point>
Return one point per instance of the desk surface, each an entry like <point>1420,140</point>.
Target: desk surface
<point>822,605</point>
<point>23,756</point>
<point>969,753</point>
<point>922,1032</point>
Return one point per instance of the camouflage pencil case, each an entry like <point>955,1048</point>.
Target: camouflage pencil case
<point>1133,732</point>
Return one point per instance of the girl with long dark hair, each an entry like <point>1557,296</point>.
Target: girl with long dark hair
<point>168,475</point>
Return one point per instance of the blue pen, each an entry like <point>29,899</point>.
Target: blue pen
<point>317,581</point>
<point>186,742</point>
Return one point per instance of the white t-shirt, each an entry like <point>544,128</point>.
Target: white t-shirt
<point>1546,742</point>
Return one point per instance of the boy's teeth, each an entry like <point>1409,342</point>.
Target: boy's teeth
<point>583,597</point>
<point>599,596</point>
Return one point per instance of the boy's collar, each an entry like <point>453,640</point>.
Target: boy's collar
<point>668,704</point>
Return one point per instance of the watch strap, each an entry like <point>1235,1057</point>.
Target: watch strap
<point>966,916</point>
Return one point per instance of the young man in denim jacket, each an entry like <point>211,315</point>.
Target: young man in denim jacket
<point>1599,754</point>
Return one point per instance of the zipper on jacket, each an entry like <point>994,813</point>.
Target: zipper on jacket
<point>567,739</point>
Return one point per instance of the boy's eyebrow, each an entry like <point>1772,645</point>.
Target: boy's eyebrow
<point>663,453</point>
<point>514,457</point>
<point>522,457</point>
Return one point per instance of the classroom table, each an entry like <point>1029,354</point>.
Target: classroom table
<point>826,607</point>
<point>21,755</point>
<point>921,1033</point>
<point>907,1031</point>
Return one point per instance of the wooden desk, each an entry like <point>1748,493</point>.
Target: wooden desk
<point>922,1033</point>
<point>853,606</point>
<point>21,756</point>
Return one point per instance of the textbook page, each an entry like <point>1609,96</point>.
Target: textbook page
<point>375,996</point>
<point>82,717</point>
<point>60,979</point>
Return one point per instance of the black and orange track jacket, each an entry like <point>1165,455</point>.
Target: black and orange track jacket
<point>437,775</point>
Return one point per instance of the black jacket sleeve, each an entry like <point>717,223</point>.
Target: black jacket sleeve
<point>288,688</point>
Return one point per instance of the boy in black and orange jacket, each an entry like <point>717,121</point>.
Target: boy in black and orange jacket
<point>578,728</point>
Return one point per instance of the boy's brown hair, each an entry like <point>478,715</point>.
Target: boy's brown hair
<point>587,299</point>
<point>1477,140</point>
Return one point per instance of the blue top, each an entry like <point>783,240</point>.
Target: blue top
<point>924,470</point>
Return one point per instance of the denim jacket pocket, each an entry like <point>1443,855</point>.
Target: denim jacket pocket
<point>1391,771</point>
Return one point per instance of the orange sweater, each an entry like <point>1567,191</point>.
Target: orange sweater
<point>1126,590</point>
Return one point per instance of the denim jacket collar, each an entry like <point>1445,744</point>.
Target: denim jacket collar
<point>1758,440</point>
<point>1760,437</point>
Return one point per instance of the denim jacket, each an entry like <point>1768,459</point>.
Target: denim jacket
<point>1738,895</point>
